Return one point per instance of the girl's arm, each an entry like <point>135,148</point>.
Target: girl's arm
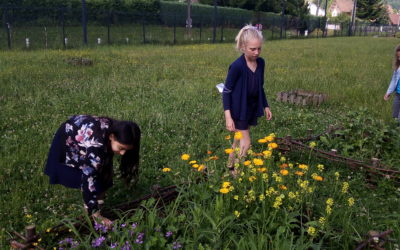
<point>230,125</point>
<point>392,85</point>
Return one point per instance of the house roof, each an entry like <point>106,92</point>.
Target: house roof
<point>345,6</point>
<point>394,19</point>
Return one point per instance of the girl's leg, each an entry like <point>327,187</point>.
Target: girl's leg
<point>244,142</point>
<point>396,106</point>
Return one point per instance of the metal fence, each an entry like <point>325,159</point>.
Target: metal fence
<point>62,28</point>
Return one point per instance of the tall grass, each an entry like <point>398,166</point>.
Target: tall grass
<point>170,91</point>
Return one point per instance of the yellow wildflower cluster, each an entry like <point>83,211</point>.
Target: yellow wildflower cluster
<point>258,162</point>
<point>238,135</point>
<point>165,170</point>
<point>312,231</point>
<point>312,144</point>
<point>350,201</point>
<point>278,201</point>
<point>226,187</point>
<point>185,157</point>
<point>345,187</point>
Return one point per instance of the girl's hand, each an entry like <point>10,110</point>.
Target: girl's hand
<point>230,125</point>
<point>268,113</point>
<point>103,220</point>
<point>386,97</point>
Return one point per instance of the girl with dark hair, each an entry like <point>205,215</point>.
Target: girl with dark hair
<point>81,156</point>
<point>394,85</point>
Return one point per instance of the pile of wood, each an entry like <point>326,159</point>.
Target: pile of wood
<point>301,97</point>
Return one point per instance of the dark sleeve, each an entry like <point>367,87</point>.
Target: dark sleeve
<point>92,157</point>
<point>263,97</point>
<point>231,79</point>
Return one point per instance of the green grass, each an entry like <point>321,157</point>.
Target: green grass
<point>170,91</point>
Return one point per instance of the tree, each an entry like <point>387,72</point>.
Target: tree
<point>372,10</point>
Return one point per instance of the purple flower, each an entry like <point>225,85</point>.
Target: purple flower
<point>176,245</point>
<point>134,225</point>
<point>139,239</point>
<point>126,246</point>
<point>168,234</point>
<point>123,225</point>
<point>113,245</point>
<point>100,227</point>
<point>98,242</point>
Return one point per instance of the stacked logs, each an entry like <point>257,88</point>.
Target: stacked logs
<point>301,97</point>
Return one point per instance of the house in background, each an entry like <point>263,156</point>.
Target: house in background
<point>341,6</point>
<point>312,8</point>
<point>394,18</point>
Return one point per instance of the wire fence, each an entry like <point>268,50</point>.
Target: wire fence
<point>63,28</point>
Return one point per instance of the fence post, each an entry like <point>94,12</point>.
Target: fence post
<point>143,29</point>
<point>215,22</point>
<point>84,22</point>
<point>109,26</point>
<point>7,27</point>
<point>63,27</point>
<point>222,28</point>
<point>174,28</point>
<point>283,5</point>
<point>201,26</point>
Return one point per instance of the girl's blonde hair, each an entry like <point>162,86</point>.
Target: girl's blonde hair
<point>246,34</point>
<point>396,61</point>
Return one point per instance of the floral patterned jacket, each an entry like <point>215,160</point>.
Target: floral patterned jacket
<point>86,148</point>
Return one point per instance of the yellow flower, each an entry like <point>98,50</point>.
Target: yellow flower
<point>283,187</point>
<point>236,197</point>
<point>195,165</point>
<point>39,240</point>
<point>228,137</point>
<point>48,230</point>
<point>226,184</point>
<point>201,168</point>
<point>284,172</point>
<point>192,162</point>
<point>229,150</point>
<point>328,209</point>
<point>329,201</point>
<point>261,197</point>
<point>262,170</point>
<point>224,190</point>
<point>185,157</point>
<point>28,216</point>
<point>269,138</point>
<point>246,163</point>
<point>272,145</point>
<point>318,178</point>
<point>312,144</point>
<point>267,154</point>
<point>292,195</point>
<point>283,159</point>
<point>311,231</point>
<point>263,140</point>
<point>322,220</point>
<point>252,178</point>
<point>35,243</point>
<point>265,177</point>
<point>214,158</point>
<point>351,201</point>
<point>166,170</point>
<point>237,213</point>
<point>320,167</point>
<point>238,135</point>
<point>345,187</point>
<point>303,166</point>
<point>299,173</point>
<point>258,162</point>
<point>337,175</point>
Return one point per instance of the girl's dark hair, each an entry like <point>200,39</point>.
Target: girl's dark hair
<point>396,61</point>
<point>128,133</point>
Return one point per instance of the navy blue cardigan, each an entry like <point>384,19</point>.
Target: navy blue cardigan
<point>234,96</point>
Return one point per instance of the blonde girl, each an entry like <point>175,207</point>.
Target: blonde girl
<point>243,96</point>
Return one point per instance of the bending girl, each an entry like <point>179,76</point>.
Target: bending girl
<point>394,85</point>
<point>81,156</point>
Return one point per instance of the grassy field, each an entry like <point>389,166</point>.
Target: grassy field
<point>170,91</point>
